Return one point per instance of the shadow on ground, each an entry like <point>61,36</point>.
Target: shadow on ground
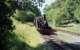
<point>47,31</point>
<point>64,45</point>
<point>16,44</point>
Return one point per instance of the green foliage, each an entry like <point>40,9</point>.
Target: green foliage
<point>27,15</point>
<point>29,38</point>
<point>24,16</point>
<point>12,41</point>
<point>77,13</point>
<point>5,25</point>
<point>63,11</point>
<point>28,12</point>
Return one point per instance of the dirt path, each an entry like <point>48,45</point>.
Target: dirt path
<point>68,32</point>
<point>62,41</point>
<point>68,37</point>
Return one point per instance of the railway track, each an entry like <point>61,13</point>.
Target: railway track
<point>53,41</point>
<point>50,30</point>
<point>65,31</point>
<point>58,44</point>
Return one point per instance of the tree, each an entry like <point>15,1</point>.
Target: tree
<point>64,11</point>
<point>7,8</point>
<point>29,10</point>
<point>6,25</point>
<point>33,4</point>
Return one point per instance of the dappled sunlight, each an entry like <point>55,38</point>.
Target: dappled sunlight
<point>74,28</point>
<point>40,25</point>
<point>28,34</point>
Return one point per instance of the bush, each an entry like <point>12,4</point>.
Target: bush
<point>64,12</point>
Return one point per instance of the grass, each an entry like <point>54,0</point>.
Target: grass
<point>29,37</point>
<point>28,34</point>
<point>74,28</point>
